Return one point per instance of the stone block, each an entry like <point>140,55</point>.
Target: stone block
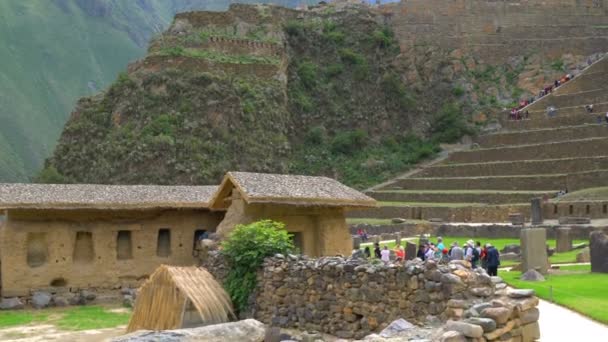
<point>517,219</point>
<point>467,329</point>
<point>584,255</point>
<point>573,220</point>
<point>598,246</point>
<point>537,211</point>
<point>410,250</point>
<point>564,240</point>
<point>534,250</point>
<point>398,239</point>
<point>530,332</point>
<point>356,242</point>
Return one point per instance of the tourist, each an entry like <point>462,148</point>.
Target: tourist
<point>606,117</point>
<point>456,253</point>
<point>377,252</point>
<point>430,252</point>
<point>589,108</point>
<point>527,115</point>
<point>386,255</point>
<point>556,83</point>
<point>440,244</point>
<point>493,260</point>
<point>367,252</point>
<point>400,254</point>
<point>421,252</point>
<point>483,257</point>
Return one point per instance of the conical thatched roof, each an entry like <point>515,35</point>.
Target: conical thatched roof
<point>162,299</point>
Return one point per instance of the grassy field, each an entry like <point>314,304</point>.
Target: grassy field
<point>557,258</point>
<point>592,194</point>
<point>571,286</point>
<point>74,318</point>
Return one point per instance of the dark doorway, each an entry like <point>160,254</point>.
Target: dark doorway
<point>163,244</point>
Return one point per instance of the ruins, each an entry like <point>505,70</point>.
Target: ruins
<point>63,237</point>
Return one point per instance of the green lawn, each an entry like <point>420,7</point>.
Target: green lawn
<point>74,318</point>
<point>377,221</point>
<point>557,258</point>
<point>591,194</point>
<point>575,288</point>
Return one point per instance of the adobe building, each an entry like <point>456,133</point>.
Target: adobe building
<point>104,236</point>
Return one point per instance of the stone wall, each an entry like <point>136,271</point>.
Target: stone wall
<point>491,29</point>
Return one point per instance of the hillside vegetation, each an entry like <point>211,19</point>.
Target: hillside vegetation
<point>55,51</point>
<point>316,95</point>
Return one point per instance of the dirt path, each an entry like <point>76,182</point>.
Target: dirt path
<point>560,324</point>
<point>48,332</point>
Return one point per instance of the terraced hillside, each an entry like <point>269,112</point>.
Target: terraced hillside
<point>530,158</point>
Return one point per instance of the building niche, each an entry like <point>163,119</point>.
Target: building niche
<point>58,282</point>
<point>163,243</point>
<point>124,245</point>
<point>37,249</point>
<point>84,252</point>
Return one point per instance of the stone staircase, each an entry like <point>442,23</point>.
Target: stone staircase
<point>530,158</point>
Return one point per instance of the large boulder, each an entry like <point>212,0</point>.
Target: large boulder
<point>396,328</point>
<point>532,275</point>
<point>513,248</point>
<point>248,330</point>
<point>598,245</point>
<point>41,299</point>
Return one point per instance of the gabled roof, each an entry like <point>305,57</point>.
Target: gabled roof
<point>83,196</point>
<point>289,189</point>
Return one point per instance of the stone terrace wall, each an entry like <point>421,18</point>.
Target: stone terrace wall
<point>492,29</point>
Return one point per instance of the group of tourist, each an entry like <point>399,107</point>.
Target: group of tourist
<point>486,257</point>
<point>589,109</point>
<point>518,113</point>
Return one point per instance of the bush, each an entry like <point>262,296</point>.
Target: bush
<point>316,135</point>
<point>349,142</point>
<point>457,91</point>
<point>245,250</point>
<point>307,71</point>
<point>50,175</point>
<point>449,124</point>
<point>383,38</point>
<point>350,56</point>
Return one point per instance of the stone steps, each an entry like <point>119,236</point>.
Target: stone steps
<point>554,122</point>
<point>446,196</point>
<point>522,167</point>
<point>572,182</point>
<point>472,213</point>
<point>585,82</point>
<point>542,136</point>
<point>567,149</point>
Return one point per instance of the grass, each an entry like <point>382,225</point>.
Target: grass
<point>576,288</point>
<point>592,194</point>
<point>557,258</point>
<point>446,205</point>
<point>217,56</point>
<point>462,191</point>
<point>78,318</point>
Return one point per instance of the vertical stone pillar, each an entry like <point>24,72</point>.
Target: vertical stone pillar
<point>398,238</point>
<point>598,245</point>
<point>537,211</point>
<point>410,250</point>
<point>563,240</point>
<point>376,239</point>
<point>534,250</point>
<point>356,242</point>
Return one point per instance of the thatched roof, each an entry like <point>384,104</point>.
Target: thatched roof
<point>289,189</point>
<point>162,299</point>
<point>81,196</point>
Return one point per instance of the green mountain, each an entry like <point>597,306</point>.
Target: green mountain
<point>55,51</point>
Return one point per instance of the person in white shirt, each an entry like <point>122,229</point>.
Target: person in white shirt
<point>386,255</point>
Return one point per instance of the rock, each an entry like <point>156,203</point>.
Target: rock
<point>60,301</point>
<point>77,299</point>
<point>398,220</point>
<point>525,293</point>
<point>128,301</point>
<point>88,295</point>
<point>467,329</point>
<point>457,303</point>
<point>482,291</point>
<point>496,280</point>
<point>529,316</point>
<point>532,275</point>
<point>449,278</point>
<point>509,256</point>
<point>248,330</point>
<point>41,299</point>
<point>452,336</point>
<point>530,332</point>
<point>311,337</point>
<point>481,306</point>
<point>11,304</point>
<point>513,248</point>
<point>598,249</point>
<point>580,245</point>
<point>396,327</point>
<point>487,324</point>
<point>584,255</point>
<point>500,315</point>
<point>550,251</point>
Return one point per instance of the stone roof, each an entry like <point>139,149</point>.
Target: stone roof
<point>80,196</point>
<point>290,189</point>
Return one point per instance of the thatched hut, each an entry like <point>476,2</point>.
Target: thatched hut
<point>180,297</point>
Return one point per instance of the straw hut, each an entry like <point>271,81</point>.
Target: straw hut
<point>312,208</point>
<point>180,297</point>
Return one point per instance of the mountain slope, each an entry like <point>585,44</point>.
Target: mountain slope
<point>55,51</point>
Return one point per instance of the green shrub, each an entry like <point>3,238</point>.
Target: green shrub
<point>163,124</point>
<point>50,175</point>
<point>396,90</point>
<point>295,27</point>
<point>245,250</point>
<point>558,65</point>
<point>349,142</point>
<point>333,70</point>
<point>307,71</point>
<point>316,135</point>
<point>383,38</point>
<point>457,91</point>
<point>175,51</point>
<point>352,57</point>
<point>449,124</point>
